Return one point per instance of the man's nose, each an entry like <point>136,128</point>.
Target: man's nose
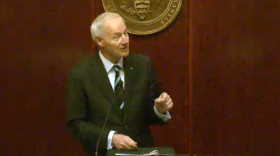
<point>124,39</point>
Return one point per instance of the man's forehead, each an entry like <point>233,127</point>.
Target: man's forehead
<point>115,24</point>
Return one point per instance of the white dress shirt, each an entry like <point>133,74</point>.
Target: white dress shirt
<point>111,74</point>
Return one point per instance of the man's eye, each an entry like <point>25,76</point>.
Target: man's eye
<point>116,37</point>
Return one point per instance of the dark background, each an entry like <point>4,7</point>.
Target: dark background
<point>219,60</point>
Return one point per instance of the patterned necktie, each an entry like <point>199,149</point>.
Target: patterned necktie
<point>118,88</point>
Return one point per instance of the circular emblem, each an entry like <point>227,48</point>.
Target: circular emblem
<point>144,17</point>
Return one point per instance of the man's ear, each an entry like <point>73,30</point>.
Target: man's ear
<point>99,41</point>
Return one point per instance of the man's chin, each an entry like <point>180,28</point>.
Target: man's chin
<point>125,53</point>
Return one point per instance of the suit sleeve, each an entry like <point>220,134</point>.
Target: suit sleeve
<point>154,92</point>
<point>76,114</point>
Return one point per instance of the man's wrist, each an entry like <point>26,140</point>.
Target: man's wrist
<point>110,139</point>
<point>166,116</point>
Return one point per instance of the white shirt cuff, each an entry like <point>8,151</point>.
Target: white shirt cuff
<point>164,117</point>
<point>110,138</point>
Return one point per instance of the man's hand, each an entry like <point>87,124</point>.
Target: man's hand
<point>123,142</point>
<point>163,103</point>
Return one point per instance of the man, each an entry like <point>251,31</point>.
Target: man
<point>113,97</point>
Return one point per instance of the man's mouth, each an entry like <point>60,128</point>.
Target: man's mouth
<point>124,48</point>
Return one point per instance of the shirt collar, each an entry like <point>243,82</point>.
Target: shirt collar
<point>108,65</point>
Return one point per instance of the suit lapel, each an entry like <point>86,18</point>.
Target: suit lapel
<point>100,77</point>
<point>130,78</point>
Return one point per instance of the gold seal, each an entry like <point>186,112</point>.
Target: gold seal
<point>144,17</point>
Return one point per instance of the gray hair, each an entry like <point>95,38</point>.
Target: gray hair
<point>97,25</point>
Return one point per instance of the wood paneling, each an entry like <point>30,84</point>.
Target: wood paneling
<point>235,48</point>
<point>219,60</point>
<point>40,41</point>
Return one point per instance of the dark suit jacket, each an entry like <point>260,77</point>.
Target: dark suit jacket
<point>89,96</point>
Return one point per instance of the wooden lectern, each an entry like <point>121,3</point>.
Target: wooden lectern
<point>143,151</point>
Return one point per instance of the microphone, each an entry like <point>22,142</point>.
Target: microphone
<point>102,129</point>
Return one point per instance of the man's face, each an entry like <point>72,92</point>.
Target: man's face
<point>115,41</point>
